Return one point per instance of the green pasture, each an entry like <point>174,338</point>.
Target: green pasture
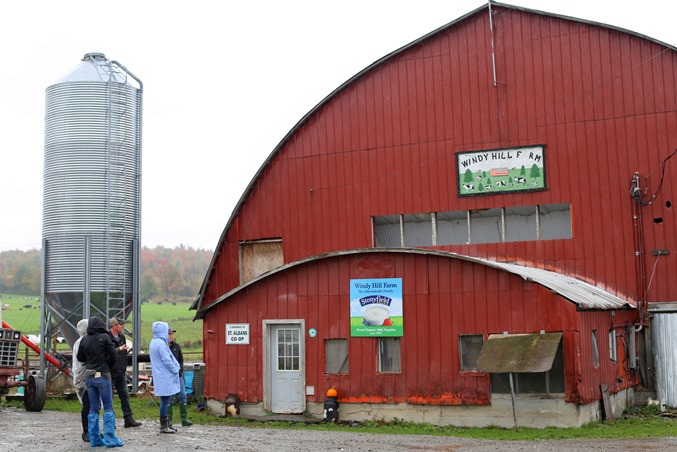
<point>23,314</point>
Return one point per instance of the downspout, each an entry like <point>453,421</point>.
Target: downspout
<point>493,52</point>
<point>640,265</point>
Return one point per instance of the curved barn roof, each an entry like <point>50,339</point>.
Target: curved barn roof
<point>584,295</point>
<point>374,66</point>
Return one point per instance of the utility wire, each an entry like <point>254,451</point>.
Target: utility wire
<point>636,192</point>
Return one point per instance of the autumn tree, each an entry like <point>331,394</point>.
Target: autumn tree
<point>167,272</point>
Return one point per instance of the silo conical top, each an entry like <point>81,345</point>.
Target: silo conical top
<point>95,67</point>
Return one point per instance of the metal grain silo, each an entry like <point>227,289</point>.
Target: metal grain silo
<point>91,196</point>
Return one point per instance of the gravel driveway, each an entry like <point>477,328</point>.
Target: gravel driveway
<point>53,431</point>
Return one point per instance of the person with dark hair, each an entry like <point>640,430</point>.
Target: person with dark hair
<point>183,407</point>
<point>165,371</point>
<point>98,353</point>
<point>78,371</point>
<point>119,370</point>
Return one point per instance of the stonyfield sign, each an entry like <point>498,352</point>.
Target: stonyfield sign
<point>501,171</point>
<point>376,307</point>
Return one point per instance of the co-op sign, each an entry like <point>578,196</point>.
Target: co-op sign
<point>237,333</point>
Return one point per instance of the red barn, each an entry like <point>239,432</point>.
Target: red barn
<point>375,252</point>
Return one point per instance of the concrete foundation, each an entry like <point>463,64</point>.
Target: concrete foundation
<point>532,411</point>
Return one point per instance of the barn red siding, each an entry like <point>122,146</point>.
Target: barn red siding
<point>443,298</point>
<point>602,102</point>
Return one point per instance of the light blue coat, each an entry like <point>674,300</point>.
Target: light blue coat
<point>164,367</point>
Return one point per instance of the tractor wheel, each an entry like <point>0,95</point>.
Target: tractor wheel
<point>35,393</point>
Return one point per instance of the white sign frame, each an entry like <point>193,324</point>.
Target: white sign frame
<point>237,333</point>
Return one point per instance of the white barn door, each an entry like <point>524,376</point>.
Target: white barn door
<point>287,368</point>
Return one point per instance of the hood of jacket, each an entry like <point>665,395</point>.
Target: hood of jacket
<point>82,327</point>
<point>95,326</point>
<point>161,331</point>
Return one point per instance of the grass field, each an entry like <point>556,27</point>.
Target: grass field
<point>24,315</point>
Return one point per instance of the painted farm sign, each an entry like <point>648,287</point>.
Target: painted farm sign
<point>501,171</point>
<point>376,307</point>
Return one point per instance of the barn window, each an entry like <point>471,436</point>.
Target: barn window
<point>389,355</point>
<point>535,361</point>
<point>631,346</point>
<point>288,349</point>
<point>336,356</point>
<point>259,257</point>
<point>521,223</point>
<point>486,226</point>
<point>549,382</point>
<point>612,345</point>
<point>503,224</point>
<point>469,347</point>
<point>418,229</point>
<point>595,349</point>
<point>555,221</point>
<point>452,228</point>
<point>388,231</point>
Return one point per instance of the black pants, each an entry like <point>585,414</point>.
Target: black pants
<point>84,412</point>
<point>120,385</point>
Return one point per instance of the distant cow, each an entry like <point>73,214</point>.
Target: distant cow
<point>520,180</point>
<point>500,183</point>
<point>468,187</point>
<point>478,177</point>
<point>487,187</point>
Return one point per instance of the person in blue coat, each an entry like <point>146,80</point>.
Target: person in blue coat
<point>165,370</point>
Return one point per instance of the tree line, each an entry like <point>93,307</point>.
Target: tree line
<point>166,273</point>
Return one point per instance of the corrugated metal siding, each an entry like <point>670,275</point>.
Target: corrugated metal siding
<point>664,327</point>
<point>604,103</point>
<point>443,297</point>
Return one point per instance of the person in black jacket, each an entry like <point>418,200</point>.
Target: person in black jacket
<point>178,354</point>
<point>119,370</point>
<point>97,352</point>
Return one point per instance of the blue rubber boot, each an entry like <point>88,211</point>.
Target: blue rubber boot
<point>95,439</point>
<point>109,438</point>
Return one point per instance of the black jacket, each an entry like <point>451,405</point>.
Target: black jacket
<point>96,349</point>
<point>178,354</point>
<point>119,369</point>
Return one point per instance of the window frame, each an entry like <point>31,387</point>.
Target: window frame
<point>344,367</point>
<point>613,347</point>
<point>381,344</point>
<point>461,365</point>
<point>550,378</point>
<point>474,226</point>
<point>595,349</point>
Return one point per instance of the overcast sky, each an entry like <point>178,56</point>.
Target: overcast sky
<point>224,81</point>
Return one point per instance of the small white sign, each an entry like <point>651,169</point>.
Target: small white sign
<point>237,333</point>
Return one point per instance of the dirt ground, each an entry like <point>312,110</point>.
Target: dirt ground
<point>52,431</point>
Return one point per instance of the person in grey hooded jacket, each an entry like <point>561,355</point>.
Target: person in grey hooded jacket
<point>78,371</point>
<point>165,371</point>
